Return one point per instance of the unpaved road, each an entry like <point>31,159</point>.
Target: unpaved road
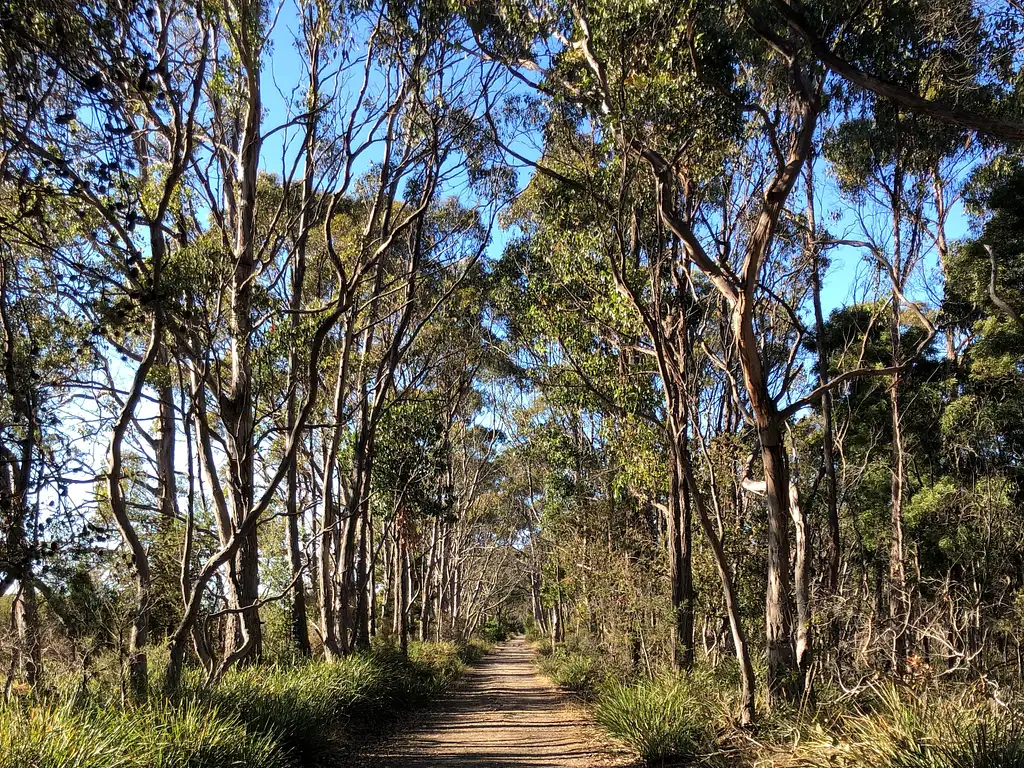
<point>503,715</point>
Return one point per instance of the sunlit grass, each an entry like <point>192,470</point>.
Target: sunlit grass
<point>261,716</point>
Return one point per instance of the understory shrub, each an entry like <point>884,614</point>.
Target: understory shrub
<point>543,646</point>
<point>571,670</point>
<point>662,720</point>
<point>153,736</point>
<point>261,716</point>
<point>301,707</point>
<point>499,630</point>
<point>897,728</point>
<point>474,649</point>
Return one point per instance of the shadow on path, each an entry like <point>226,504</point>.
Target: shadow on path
<point>504,715</point>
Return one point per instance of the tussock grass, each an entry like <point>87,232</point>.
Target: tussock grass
<point>662,720</point>
<point>302,707</point>
<point>571,670</point>
<point>897,728</point>
<point>263,716</point>
<point>186,736</point>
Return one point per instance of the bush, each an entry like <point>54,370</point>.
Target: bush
<point>494,632</point>
<point>544,647</point>
<point>302,706</point>
<point>474,649</point>
<point>660,720</point>
<point>571,670</point>
<point>896,728</point>
<point>261,716</point>
<point>185,736</point>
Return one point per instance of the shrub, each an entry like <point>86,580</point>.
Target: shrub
<point>659,719</point>
<point>574,671</point>
<point>544,647</point>
<point>441,660</point>
<point>474,649</point>
<point>262,716</point>
<point>495,631</point>
<point>895,728</point>
<point>302,706</point>
<point>152,736</point>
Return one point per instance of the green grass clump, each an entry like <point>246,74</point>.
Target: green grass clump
<point>194,736</point>
<point>543,646</point>
<point>151,736</point>
<point>260,716</point>
<point>57,737</point>
<point>474,649</point>
<point>896,728</point>
<point>661,720</point>
<point>301,706</point>
<point>571,670</point>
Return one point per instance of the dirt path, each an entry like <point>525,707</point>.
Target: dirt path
<point>503,715</point>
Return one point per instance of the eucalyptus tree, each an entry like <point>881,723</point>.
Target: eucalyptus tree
<point>959,69</point>
<point>606,287</point>
<point>109,126</point>
<point>679,103</point>
<point>43,355</point>
<point>886,162</point>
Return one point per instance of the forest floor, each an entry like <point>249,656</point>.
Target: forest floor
<point>503,714</point>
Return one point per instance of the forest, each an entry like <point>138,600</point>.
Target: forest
<point>344,341</point>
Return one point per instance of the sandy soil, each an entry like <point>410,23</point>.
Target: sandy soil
<point>503,715</point>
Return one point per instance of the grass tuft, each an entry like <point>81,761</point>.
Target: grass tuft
<point>571,670</point>
<point>262,716</point>
<point>896,728</point>
<point>152,736</point>
<point>661,720</point>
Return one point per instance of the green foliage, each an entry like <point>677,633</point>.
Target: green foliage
<point>572,670</point>
<point>895,728</point>
<point>257,716</point>
<point>158,735</point>
<point>300,706</point>
<point>498,630</point>
<point>411,456</point>
<point>658,719</point>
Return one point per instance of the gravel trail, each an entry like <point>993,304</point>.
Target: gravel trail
<point>504,714</point>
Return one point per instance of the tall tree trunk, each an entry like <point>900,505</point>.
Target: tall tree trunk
<point>327,573</point>
<point>345,578</point>
<point>237,403</point>
<point>16,477</point>
<point>404,588</point>
<point>138,668</point>
<point>782,668</point>
<point>428,580</point>
<point>680,570</point>
<point>166,438</point>
<point>899,600</point>
<point>899,605</point>
<point>732,607</point>
<point>834,549</point>
<point>801,580</point>
<point>297,609</point>
<point>26,623</point>
<point>362,635</point>
<point>783,675</point>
